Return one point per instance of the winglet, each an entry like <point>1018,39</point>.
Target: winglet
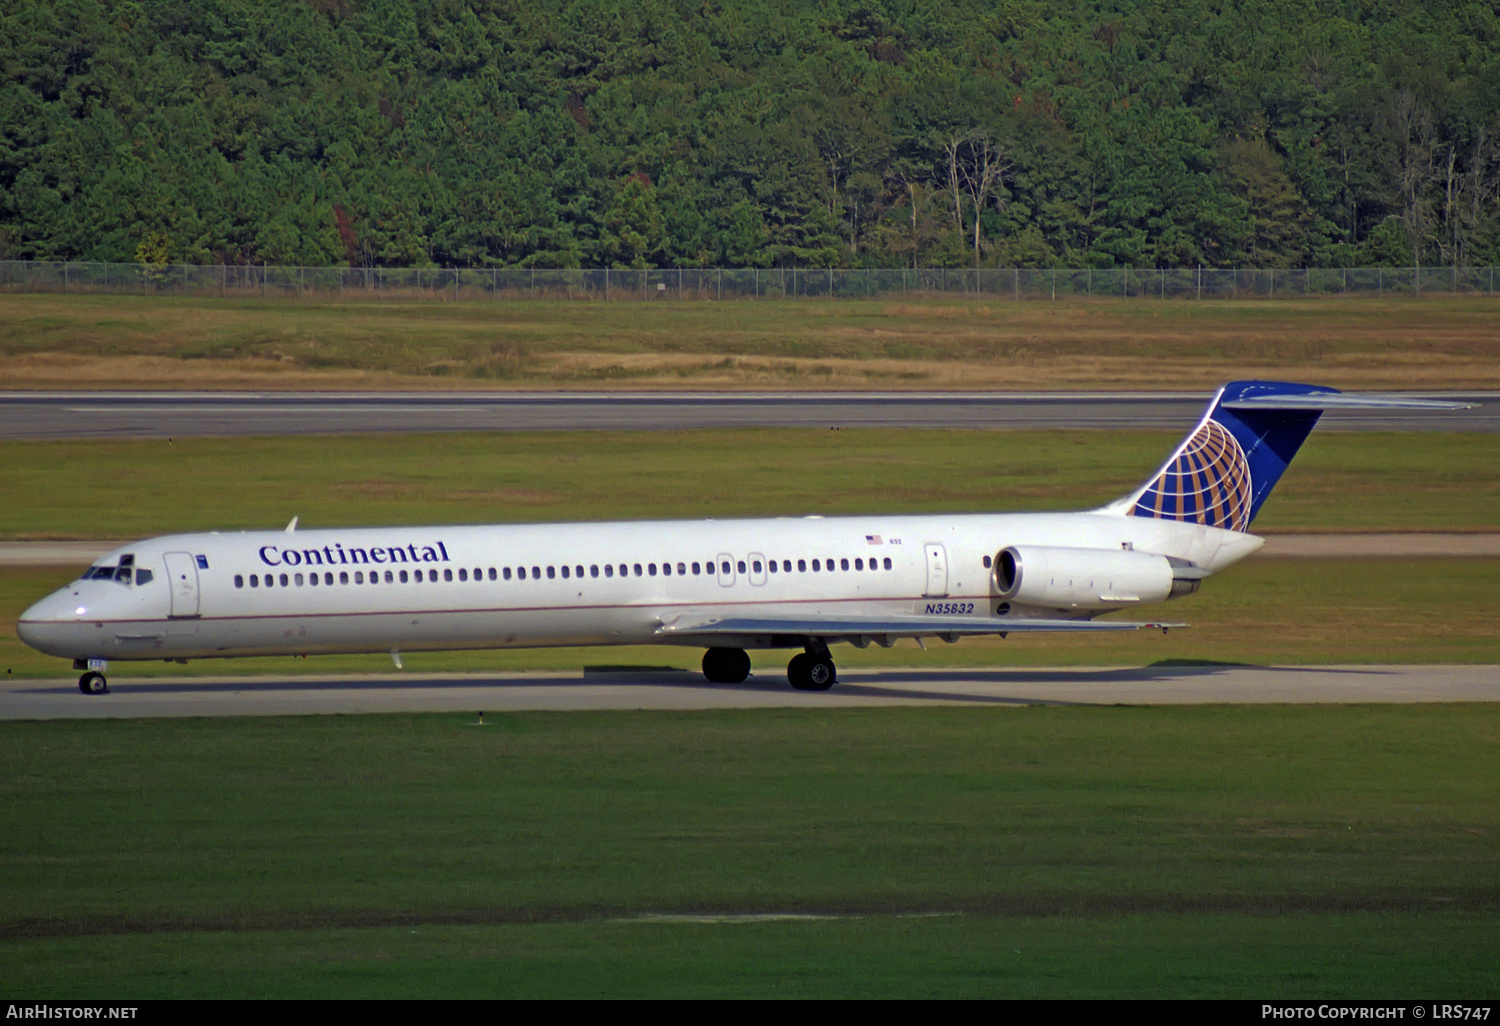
<point>292,526</point>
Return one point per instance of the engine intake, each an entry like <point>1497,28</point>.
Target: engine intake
<point>1066,578</point>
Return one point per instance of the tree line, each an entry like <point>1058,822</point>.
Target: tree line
<point>765,133</point>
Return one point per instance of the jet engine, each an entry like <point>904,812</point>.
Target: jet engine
<point>1065,578</point>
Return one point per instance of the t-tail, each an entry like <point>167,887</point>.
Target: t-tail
<point>1224,471</point>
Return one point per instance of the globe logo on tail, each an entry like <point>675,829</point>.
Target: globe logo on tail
<point>1207,482</point>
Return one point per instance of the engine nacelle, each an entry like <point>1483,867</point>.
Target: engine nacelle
<point>1064,578</point>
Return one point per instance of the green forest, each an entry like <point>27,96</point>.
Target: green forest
<point>763,133</point>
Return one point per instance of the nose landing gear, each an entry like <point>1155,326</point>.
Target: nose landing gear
<point>93,683</point>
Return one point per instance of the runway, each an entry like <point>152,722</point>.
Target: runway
<point>683,690</point>
<point>58,415</point>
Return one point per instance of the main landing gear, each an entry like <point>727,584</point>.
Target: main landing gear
<point>93,683</point>
<point>812,670</point>
<point>726,665</point>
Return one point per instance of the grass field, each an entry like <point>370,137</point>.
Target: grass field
<point>132,489</point>
<point>1215,851</point>
<point>945,342</point>
<point>1295,611</point>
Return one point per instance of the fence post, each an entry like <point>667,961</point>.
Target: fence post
<point>1273,283</point>
<point>1015,280</point>
<point>65,277</point>
<point>830,283</point>
<point>1091,283</point>
<point>1200,281</point>
<point>721,282</point>
<point>1379,282</point>
<point>1054,284</point>
<point>867,283</point>
<point>1163,294</point>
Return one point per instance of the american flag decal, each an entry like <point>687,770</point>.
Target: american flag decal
<point>873,539</point>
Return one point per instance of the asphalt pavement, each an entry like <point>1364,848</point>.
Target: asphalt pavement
<point>57,415</point>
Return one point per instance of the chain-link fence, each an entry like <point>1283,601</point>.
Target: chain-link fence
<point>384,283</point>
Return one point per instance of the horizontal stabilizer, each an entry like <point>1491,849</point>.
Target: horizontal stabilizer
<point>886,626</point>
<point>1341,401</point>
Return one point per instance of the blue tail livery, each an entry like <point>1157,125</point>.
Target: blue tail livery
<point>1223,472</point>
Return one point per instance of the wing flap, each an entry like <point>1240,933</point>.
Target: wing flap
<point>886,626</point>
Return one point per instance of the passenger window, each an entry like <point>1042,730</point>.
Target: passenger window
<point>327,578</point>
<point>843,564</point>
<point>681,569</point>
<point>594,570</point>
<point>492,573</point>
<point>566,573</point>
<point>651,569</point>
<point>254,581</point>
<point>359,577</point>
<point>239,581</point>
<point>772,565</point>
<point>802,566</point>
<point>463,575</point>
<point>755,565</point>
<point>815,566</point>
<point>403,577</point>
<point>283,580</point>
<point>859,564</point>
<point>390,577</point>
<point>609,569</point>
<point>578,571</point>
<point>786,566</point>
<point>521,572</point>
<point>724,568</point>
<point>536,573</point>
<point>887,562</point>
<point>297,579</point>
<point>740,565</point>
<point>696,570</point>
<point>343,577</point>
<point>447,575</point>
<point>828,563</point>
<point>551,573</point>
<point>638,569</point>
<point>666,569</point>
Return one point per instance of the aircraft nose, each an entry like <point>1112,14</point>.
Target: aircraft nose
<point>47,623</point>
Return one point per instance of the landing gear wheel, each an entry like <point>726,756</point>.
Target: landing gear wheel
<point>808,672</point>
<point>726,665</point>
<point>93,683</point>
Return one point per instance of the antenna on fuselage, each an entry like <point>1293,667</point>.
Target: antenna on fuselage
<point>292,526</point>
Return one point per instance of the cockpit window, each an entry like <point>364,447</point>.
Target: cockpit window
<point>122,574</point>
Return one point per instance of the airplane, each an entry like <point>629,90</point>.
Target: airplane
<point>798,583</point>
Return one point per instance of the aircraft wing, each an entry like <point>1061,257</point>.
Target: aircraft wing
<point>883,628</point>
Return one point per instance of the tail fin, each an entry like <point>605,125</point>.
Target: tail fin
<point>1223,472</point>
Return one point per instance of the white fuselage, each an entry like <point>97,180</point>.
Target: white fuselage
<point>254,593</point>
